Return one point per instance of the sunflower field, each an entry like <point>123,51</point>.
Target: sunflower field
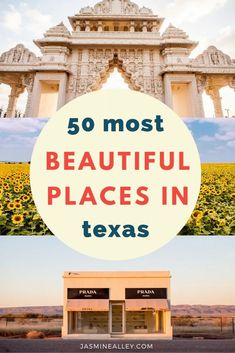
<point>214,213</point>
<point>18,213</point>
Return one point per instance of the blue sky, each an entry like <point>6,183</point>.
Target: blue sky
<point>17,138</point>
<point>215,138</point>
<point>31,269</point>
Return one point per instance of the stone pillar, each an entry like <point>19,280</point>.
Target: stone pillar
<point>200,106</point>
<point>28,105</point>
<point>88,27</point>
<point>28,81</point>
<point>146,71</point>
<point>62,90</point>
<point>154,27</point>
<point>85,62</point>
<point>84,73</point>
<point>100,26</point>
<point>158,82</point>
<point>196,89</point>
<point>75,69</point>
<point>144,28</point>
<point>78,26</point>
<point>167,91</point>
<point>132,26</point>
<point>15,92</point>
<point>215,96</point>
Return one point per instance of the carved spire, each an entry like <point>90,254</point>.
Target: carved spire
<point>59,30</point>
<point>174,32</point>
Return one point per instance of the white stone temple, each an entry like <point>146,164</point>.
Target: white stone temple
<point>115,33</point>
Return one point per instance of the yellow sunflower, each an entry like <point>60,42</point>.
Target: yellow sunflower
<point>25,198</point>
<point>17,218</point>
<point>11,206</point>
<point>197,214</point>
<point>18,205</point>
<point>222,222</point>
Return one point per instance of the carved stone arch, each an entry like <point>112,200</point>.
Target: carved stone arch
<point>103,61</point>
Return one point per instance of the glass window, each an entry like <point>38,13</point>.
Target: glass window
<point>88,322</point>
<point>144,322</point>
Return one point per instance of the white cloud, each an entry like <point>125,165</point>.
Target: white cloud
<point>207,138</point>
<point>12,19</point>
<point>22,126</point>
<point>14,141</point>
<point>220,148</point>
<point>231,143</point>
<point>35,21</point>
<point>25,18</point>
<point>179,11</point>
<point>225,40</point>
<point>225,133</point>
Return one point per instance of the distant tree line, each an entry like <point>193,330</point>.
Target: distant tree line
<point>11,317</point>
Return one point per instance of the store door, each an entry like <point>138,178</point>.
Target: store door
<point>117,318</point>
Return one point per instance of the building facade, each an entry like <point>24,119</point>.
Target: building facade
<point>115,33</point>
<point>117,304</point>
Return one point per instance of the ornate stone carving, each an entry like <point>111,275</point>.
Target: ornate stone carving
<point>18,55</point>
<point>73,82</point>
<point>129,61</point>
<point>121,7</point>
<point>130,8</point>
<point>201,83</point>
<point>86,10</point>
<point>158,88</point>
<point>213,57</point>
<point>144,10</point>
<point>27,81</point>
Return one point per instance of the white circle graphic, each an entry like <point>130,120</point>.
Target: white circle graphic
<point>115,174</point>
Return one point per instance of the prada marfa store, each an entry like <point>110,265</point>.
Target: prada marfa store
<point>117,304</point>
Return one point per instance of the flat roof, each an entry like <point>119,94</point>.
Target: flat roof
<point>117,274</point>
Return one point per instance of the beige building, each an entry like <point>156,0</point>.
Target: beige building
<point>115,34</point>
<point>117,304</point>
